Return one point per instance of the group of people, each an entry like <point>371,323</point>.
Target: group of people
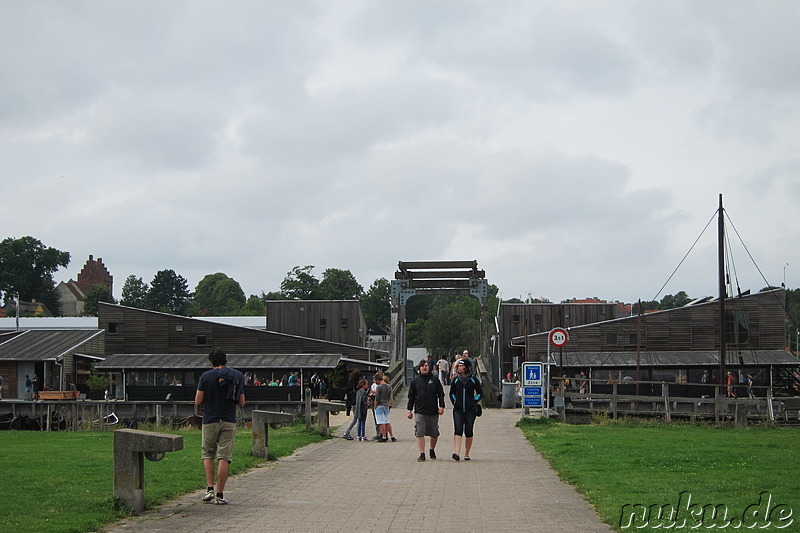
<point>360,398</point>
<point>445,367</point>
<point>426,404</point>
<point>221,390</point>
<point>287,380</point>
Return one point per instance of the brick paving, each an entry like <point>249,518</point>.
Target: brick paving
<point>341,485</point>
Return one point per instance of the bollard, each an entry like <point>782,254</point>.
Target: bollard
<point>262,421</point>
<point>307,400</point>
<point>131,446</point>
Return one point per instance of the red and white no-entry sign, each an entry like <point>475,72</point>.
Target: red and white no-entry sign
<point>558,337</point>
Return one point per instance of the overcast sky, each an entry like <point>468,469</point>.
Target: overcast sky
<point>572,148</point>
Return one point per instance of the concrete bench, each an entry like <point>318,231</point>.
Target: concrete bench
<point>131,446</point>
<point>262,421</point>
<point>324,409</point>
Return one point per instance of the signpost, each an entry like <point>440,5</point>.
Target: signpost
<point>535,383</point>
<point>557,337</point>
<point>532,385</point>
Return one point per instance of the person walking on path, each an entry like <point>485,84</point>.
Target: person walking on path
<point>465,393</point>
<point>425,404</point>
<point>219,391</point>
<point>443,368</point>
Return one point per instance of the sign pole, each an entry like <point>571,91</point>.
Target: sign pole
<point>546,388</point>
<point>557,337</point>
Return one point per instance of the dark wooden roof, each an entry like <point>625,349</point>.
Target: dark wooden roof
<point>704,358</point>
<point>44,344</point>
<point>200,361</point>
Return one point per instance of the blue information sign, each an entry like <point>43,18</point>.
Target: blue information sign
<point>532,374</point>
<point>532,391</point>
<point>532,401</point>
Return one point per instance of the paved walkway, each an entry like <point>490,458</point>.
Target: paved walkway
<point>341,485</point>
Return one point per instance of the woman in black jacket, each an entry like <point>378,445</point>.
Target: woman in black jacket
<point>465,393</point>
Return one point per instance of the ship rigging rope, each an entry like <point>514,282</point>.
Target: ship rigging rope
<point>655,298</point>
<point>782,304</point>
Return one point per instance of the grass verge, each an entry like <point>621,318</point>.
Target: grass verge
<point>63,481</point>
<point>615,464</point>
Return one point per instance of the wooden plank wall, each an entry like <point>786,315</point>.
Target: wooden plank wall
<point>304,318</point>
<point>142,332</point>
<point>687,328</point>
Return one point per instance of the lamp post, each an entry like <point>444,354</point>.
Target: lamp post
<point>784,275</point>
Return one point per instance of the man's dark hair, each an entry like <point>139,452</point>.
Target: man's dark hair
<point>423,362</point>
<point>218,357</point>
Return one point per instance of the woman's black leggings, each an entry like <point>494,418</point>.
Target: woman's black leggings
<point>463,422</point>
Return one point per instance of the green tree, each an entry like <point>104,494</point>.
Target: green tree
<point>338,284</point>
<point>254,306</point>
<point>27,267</point>
<point>219,295</point>
<point>301,284</point>
<point>415,333</point>
<point>671,302</point>
<point>96,293</point>
<point>169,293</point>
<point>377,306</point>
<point>455,325</point>
<point>134,293</point>
<point>273,295</point>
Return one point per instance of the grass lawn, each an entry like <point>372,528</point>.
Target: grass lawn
<point>651,464</point>
<point>63,481</point>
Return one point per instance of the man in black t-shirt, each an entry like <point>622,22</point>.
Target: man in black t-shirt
<point>219,391</point>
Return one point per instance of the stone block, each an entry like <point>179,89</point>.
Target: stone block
<point>131,447</point>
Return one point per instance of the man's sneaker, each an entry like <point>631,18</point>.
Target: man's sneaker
<point>220,501</point>
<point>209,495</point>
<point>421,458</point>
<point>433,454</point>
<point>347,436</point>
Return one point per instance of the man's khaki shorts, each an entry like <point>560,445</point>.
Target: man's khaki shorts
<point>218,440</point>
<point>426,425</point>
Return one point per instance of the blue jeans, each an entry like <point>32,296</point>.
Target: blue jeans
<point>352,423</point>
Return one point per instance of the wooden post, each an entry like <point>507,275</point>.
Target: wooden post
<point>614,401</point>
<point>308,408</point>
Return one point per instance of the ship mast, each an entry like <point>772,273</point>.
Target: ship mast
<point>722,291</point>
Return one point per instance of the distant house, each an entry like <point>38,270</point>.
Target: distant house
<point>71,297</point>
<point>72,294</point>
<point>60,357</point>
<point>519,319</point>
<point>26,309</point>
